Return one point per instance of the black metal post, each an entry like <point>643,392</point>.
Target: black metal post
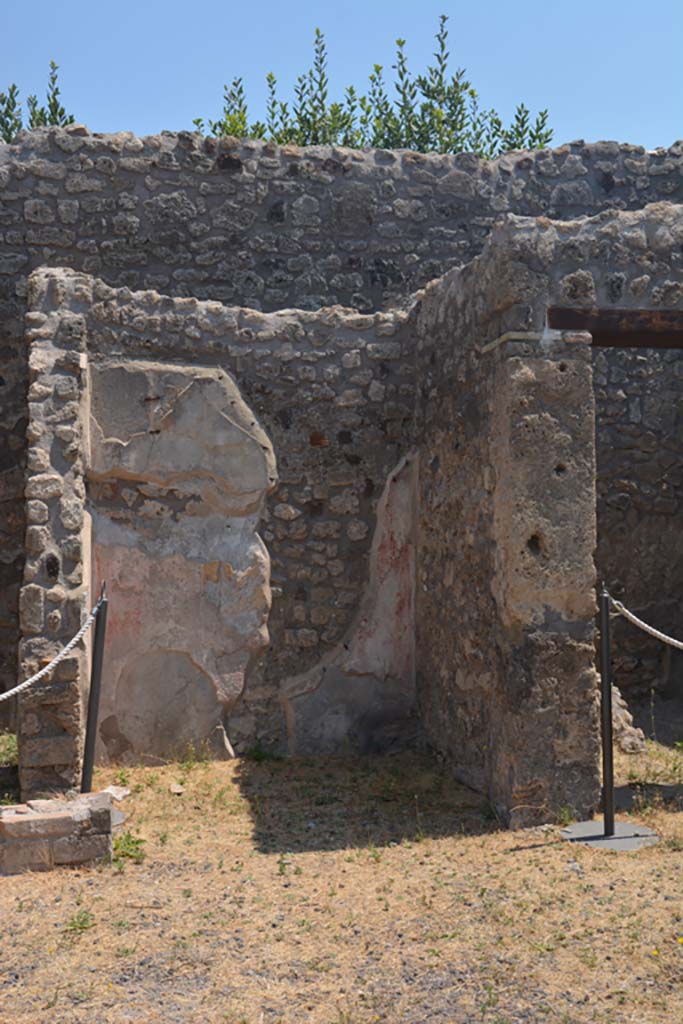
<point>606,715</point>
<point>95,688</point>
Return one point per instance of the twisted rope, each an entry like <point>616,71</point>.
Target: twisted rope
<point>644,626</point>
<point>55,661</point>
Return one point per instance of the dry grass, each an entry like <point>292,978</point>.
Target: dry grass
<point>339,892</point>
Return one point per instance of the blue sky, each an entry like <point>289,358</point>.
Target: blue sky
<point>606,69</point>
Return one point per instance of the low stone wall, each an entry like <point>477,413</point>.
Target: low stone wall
<point>43,834</point>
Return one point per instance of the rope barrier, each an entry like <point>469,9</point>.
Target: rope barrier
<point>55,661</point>
<point>644,626</point>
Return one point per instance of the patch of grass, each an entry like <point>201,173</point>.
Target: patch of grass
<point>126,950</point>
<point>9,753</point>
<point>194,754</point>
<point>82,921</point>
<point>128,847</point>
<point>565,815</point>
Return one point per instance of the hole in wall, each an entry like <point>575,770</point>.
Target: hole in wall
<point>52,567</point>
<point>535,544</point>
<point>562,367</point>
<point>285,418</point>
<point>560,469</point>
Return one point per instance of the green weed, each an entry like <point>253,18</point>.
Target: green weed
<point>128,847</point>
<point>82,921</point>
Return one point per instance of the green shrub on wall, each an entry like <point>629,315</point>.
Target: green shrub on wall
<point>432,112</point>
<point>11,116</point>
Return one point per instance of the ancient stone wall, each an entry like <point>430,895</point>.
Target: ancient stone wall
<point>56,591</point>
<point>430,546</point>
<point>507,518</point>
<point>505,656</point>
<point>164,461</point>
<point>253,224</point>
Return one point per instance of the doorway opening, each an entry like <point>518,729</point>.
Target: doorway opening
<point>638,383</point>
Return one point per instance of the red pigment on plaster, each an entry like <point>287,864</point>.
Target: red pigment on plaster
<point>126,607</point>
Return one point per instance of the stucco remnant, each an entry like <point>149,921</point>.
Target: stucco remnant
<point>361,696</point>
<point>178,472</point>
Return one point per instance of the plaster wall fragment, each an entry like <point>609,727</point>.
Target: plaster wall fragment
<point>179,469</point>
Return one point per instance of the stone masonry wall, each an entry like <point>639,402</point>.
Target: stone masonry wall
<point>505,659</point>
<point>253,224</point>
<point>485,539</point>
<point>507,521</point>
<point>56,592</point>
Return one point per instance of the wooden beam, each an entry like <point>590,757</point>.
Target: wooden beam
<point>622,328</point>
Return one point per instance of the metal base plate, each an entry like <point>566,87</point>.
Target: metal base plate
<point>627,835</point>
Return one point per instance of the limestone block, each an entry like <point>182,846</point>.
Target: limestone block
<point>31,608</point>
<point>81,849</point>
<point>37,512</point>
<point>44,485</point>
<point>43,833</point>
<point>25,856</point>
<point>23,823</point>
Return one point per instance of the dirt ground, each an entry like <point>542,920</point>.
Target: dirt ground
<point>348,892</point>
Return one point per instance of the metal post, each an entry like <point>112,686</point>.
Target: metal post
<point>95,687</point>
<point>606,715</point>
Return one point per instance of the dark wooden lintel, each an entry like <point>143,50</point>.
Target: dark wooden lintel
<point>622,328</point>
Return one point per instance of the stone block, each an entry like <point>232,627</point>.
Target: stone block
<point>81,849</point>
<point>27,823</point>
<point>44,485</point>
<point>98,806</point>
<point>25,856</point>
<point>44,751</point>
<point>31,608</point>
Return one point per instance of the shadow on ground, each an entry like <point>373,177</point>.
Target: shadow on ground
<point>638,795</point>
<point>328,803</point>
